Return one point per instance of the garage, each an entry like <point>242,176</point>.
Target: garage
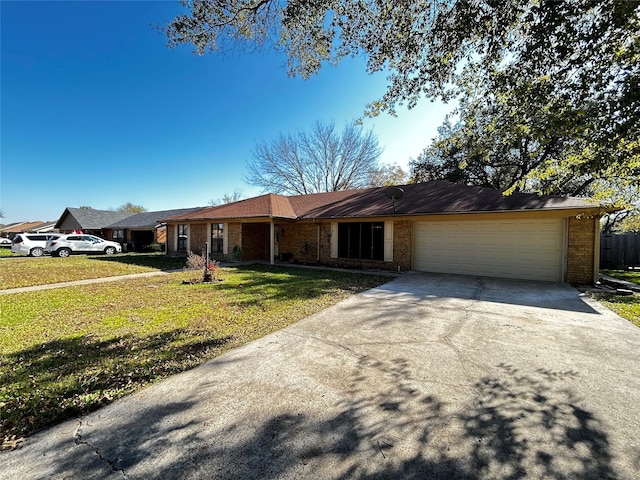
<point>524,249</point>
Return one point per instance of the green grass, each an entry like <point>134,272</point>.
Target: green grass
<point>28,271</point>
<point>632,276</point>
<point>6,252</point>
<point>626,306</point>
<point>68,351</point>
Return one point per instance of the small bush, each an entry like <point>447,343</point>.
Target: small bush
<point>195,261</point>
<point>156,247</point>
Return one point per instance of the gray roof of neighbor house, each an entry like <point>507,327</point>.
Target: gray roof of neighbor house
<point>91,219</point>
<point>148,220</point>
<point>437,197</point>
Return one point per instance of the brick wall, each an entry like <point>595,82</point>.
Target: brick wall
<point>300,240</point>
<point>171,236</point>
<point>581,250</point>
<point>161,234</point>
<point>197,237</point>
<point>255,241</point>
<point>402,235</point>
<point>234,237</point>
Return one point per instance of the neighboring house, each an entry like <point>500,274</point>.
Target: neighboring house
<point>435,227</point>
<point>89,220</point>
<point>136,231</point>
<point>140,230</point>
<point>30,227</point>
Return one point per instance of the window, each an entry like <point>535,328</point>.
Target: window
<point>118,235</point>
<point>361,240</point>
<point>182,237</point>
<point>217,238</point>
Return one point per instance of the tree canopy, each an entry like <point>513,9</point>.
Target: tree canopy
<point>227,198</point>
<point>319,160</point>
<point>565,73</point>
<point>131,208</point>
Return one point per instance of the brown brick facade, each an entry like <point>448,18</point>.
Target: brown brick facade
<point>255,241</point>
<point>299,242</point>
<point>310,243</point>
<point>234,237</point>
<point>171,236</point>
<point>581,247</point>
<point>402,245</point>
<point>197,237</point>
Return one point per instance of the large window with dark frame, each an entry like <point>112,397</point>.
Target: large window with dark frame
<point>217,238</point>
<point>182,237</point>
<point>361,240</point>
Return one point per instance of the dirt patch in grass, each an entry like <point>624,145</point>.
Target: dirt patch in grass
<point>69,351</point>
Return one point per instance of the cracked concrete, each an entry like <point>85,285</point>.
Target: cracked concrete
<point>427,376</point>
<point>111,463</point>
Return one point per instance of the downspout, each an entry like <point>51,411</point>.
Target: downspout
<point>272,247</point>
<point>318,244</point>
<point>596,250</point>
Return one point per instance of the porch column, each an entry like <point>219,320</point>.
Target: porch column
<point>272,244</point>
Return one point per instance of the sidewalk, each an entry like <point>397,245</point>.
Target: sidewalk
<point>85,282</point>
<point>617,283</point>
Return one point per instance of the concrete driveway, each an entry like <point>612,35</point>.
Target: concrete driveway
<point>429,376</point>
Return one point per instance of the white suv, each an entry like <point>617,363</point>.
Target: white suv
<point>65,245</point>
<point>31,243</point>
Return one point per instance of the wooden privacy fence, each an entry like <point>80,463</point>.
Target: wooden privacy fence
<point>619,250</point>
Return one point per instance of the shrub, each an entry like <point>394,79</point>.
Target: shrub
<point>195,261</point>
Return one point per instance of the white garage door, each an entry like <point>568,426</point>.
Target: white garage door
<point>527,249</point>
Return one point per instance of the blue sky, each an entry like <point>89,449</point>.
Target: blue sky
<point>97,111</point>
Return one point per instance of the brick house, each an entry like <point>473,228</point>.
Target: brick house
<point>434,227</point>
<point>135,231</point>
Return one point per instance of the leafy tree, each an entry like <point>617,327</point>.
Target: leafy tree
<point>386,175</point>
<point>85,207</point>
<point>320,160</point>
<point>131,208</point>
<point>227,198</point>
<point>582,52</point>
<point>1,213</point>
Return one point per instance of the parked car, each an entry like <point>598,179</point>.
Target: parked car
<point>5,242</point>
<point>65,245</point>
<point>31,243</point>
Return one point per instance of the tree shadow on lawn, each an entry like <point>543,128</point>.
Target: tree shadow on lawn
<point>279,283</point>
<point>62,379</point>
<point>387,425</point>
<point>153,260</point>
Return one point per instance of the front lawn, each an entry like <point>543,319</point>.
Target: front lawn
<point>632,276</point>
<point>626,306</point>
<point>28,271</point>
<point>68,351</point>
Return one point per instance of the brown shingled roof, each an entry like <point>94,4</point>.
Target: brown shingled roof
<point>438,197</point>
<point>443,197</point>
<point>268,206</point>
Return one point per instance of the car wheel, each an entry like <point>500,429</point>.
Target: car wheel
<point>36,252</point>
<point>110,250</point>
<point>64,252</point>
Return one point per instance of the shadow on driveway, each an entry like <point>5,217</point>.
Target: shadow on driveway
<point>426,377</point>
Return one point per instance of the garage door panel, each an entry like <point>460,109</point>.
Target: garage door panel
<point>527,249</point>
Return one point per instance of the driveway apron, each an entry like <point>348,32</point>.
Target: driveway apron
<point>428,376</point>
